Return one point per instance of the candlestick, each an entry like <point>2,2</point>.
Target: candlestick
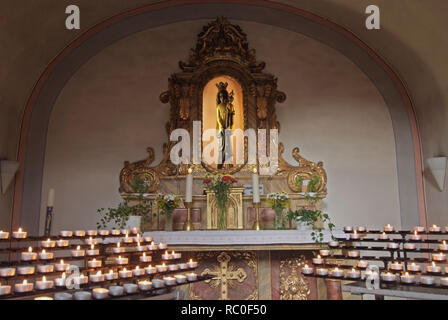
<point>189,186</point>
<point>19,234</point>
<point>188,226</point>
<point>255,187</point>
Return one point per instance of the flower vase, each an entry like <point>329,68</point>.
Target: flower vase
<point>280,223</point>
<point>222,218</point>
<point>169,221</point>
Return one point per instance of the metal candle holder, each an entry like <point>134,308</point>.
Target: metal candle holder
<point>257,225</point>
<point>188,226</point>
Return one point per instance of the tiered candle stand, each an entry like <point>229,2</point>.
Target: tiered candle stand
<point>179,272</point>
<point>405,259</point>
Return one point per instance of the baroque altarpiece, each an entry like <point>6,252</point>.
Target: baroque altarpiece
<point>222,55</point>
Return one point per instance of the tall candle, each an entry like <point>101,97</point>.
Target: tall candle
<point>255,187</point>
<point>50,202</point>
<point>189,186</point>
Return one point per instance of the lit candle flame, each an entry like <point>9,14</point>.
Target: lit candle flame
<point>24,282</point>
<point>44,279</point>
<point>30,249</point>
<point>118,244</point>
<point>92,247</point>
<point>62,261</point>
<point>20,230</point>
<point>78,248</point>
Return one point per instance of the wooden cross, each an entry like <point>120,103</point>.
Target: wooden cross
<point>224,274</point>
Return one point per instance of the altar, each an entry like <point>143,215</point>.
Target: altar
<point>251,264</point>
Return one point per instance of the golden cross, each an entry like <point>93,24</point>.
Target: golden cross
<point>224,274</point>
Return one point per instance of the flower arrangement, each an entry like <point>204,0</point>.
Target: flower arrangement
<point>167,203</point>
<point>220,186</point>
<point>279,201</point>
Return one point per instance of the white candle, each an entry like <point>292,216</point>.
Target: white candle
<point>145,258</point>
<point>145,285</point>
<point>121,260</point>
<point>118,248</point>
<point>438,256</point>
<point>138,272</point>
<point>94,263</point>
<point>307,270</point>
<point>324,252</point>
<point>354,235</point>
<point>62,243</point>
<point>92,251</point>
<point>158,283</point>
<point>322,271</point>
<point>419,229</point>
<point>192,276</point>
<point>383,236</point>
<point>100,293</point>
<point>180,278</point>
<point>336,272</point>
<point>388,228</point>
<point>127,239</point>
<point>152,246</point>
<point>28,255</point>
<point>354,274</point>
<point>407,278</point>
<point>80,233</point>
<point>434,228</point>
<point>7,272</point>
<point>443,246</point>
<point>60,282</point>
<point>44,284</point>
<point>362,264</point>
<point>140,248</point>
<point>166,256</point>
<point>427,280</point>
<point>169,281</point>
<point>361,229</point>
<point>23,287</point>
<point>111,275</point>
<point>176,255</point>
<point>19,234</point>
<point>91,241</point>
<point>81,279</point>
<point>255,187</point>
<point>183,266</point>
<point>161,267</point>
<point>348,229</point>
<point>409,246</point>
<point>192,264</point>
<point>66,233</point>
<point>333,244</point>
<point>162,246</point>
<point>125,273</point>
<point>416,236</point>
<point>130,288</point>
<point>396,266</point>
<point>43,255</point>
<point>4,290</point>
<point>92,232</point>
<point>25,270</point>
<point>97,277</point>
<point>413,267</point>
<point>78,252</point>
<point>136,231</point>
<point>4,234</point>
<point>104,232</point>
<point>45,268</point>
<point>318,260</point>
<point>115,232</point>
<point>50,201</point>
<point>388,276</point>
<point>433,268</point>
<point>147,239</point>
<point>173,267</point>
<point>353,253</point>
<point>189,186</point>
<point>150,269</point>
<point>392,245</point>
<point>444,281</point>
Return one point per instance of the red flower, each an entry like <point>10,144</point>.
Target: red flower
<point>234,180</point>
<point>206,181</point>
<point>227,178</point>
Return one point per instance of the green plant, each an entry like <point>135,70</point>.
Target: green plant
<point>220,186</point>
<point>119,216</point>
<point>310,218</point>
<point>299,182</point>
<point>312,185</point>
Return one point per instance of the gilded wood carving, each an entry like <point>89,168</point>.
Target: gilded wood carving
<point>293,286</point>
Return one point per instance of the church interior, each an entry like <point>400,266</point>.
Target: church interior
<point>223,150</point>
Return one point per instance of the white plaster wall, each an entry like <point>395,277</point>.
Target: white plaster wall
<point>109,112</point>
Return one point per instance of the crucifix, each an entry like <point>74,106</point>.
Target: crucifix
<point>224,275</point>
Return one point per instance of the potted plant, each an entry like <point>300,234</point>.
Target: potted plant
<point>279,201</point>
<point>313,220</point>
<point>166,204</point>
<point>220,185</point>
<point>126,215</point>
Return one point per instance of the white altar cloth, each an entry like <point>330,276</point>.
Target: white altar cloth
<point>238,237</point>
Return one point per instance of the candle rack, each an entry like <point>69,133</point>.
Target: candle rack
<point>105,255</point>
<point>420,255</point>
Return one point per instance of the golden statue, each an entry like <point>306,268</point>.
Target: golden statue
<point>225,111</point>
